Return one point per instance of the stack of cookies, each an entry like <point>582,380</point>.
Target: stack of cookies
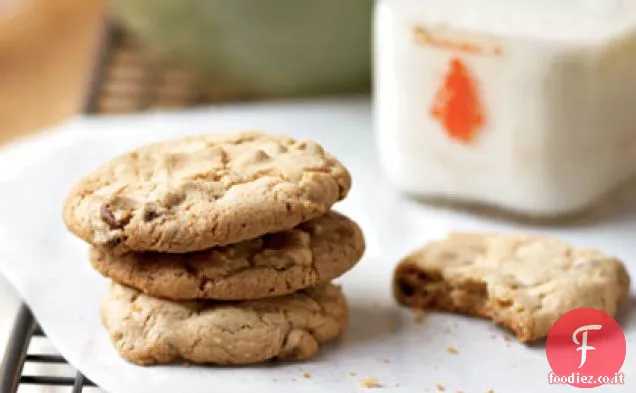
<point>221,248</point>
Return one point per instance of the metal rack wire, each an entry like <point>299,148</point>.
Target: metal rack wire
<point>17,355</point>
<point>126,79</point>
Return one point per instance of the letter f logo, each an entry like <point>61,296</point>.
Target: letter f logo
<point>584,347</point>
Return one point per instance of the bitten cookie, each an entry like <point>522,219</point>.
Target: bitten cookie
<point>198,192</point>
<point>524,283</point>
<point>147,330</point>
<point>316,251</point>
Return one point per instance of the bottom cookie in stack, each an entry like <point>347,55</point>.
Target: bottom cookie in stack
<point>261,299</point>
<point>147,330</point>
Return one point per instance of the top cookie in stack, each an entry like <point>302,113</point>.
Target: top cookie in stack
<point>239,217</point>
<point>204,191</point>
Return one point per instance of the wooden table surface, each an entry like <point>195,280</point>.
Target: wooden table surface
<point>46,52</point>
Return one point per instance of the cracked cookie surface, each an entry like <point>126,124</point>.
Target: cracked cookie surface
<point>314,252</point>
<point>524,283</point>
<point>202,191</point>
<point>147,330</point>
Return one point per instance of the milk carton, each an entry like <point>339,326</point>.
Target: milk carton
<point>526,105</point>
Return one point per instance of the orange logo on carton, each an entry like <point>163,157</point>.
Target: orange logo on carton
<point>456,104</point>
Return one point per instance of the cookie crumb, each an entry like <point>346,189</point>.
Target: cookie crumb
<point>506,338</point>
<point>370,383</point>
<point>491,391</point>
<point>306,374</point>
<point>459,391</point>
<point>185,365</point>
<point>386,360</point>
<point>452,350</point>
<point>418,316</point>
<point>352,374</point>
<point>440,387</point>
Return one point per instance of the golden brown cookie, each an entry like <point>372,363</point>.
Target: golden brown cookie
<point>314,252</point>
<point>198,192</point>
<point>147,330</point>
<point>524,283</point>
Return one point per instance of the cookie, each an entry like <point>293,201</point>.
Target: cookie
<point>146,330</point>
<point>316,251</point>
<point>198,192</point>
<point>524,283</point>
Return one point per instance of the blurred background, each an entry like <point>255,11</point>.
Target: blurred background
<point>167,53</point>
<point>46,48</point>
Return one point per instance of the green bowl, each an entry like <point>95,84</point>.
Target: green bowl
<point>257,48</point>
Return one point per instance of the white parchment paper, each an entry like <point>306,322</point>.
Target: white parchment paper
<point>49,266</point>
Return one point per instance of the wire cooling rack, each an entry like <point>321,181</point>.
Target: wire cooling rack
<point>127,78</point>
